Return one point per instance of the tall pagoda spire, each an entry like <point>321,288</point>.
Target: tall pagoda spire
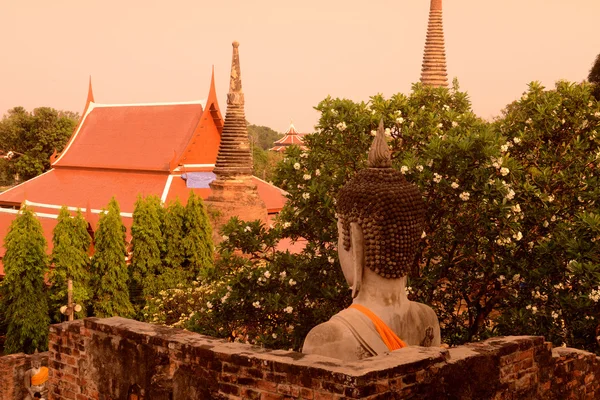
<point>433,72</point>
<point>235,157</point>
<point>234,191</point>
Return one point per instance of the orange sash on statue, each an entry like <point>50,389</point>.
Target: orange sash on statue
<point>391,340</point>
<point>40,378</point>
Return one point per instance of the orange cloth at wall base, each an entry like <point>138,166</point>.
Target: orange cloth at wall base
<point>391,340</point>
<point>40,378</point>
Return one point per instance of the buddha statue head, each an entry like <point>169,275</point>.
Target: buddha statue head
<point>380,219</point>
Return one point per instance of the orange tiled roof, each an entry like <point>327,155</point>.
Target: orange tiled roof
<point>141,137</point>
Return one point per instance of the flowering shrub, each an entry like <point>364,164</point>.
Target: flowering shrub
<point>512,221</point>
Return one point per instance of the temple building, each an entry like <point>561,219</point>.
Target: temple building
<point>433,72</point>
<point>126,150</point>
<point>291,137</point>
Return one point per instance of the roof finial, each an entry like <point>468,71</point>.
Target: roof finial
<point>90,96</point>
<point>379,154</point>
<point>433,72</point>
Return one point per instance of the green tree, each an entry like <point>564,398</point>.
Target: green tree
<point>594,77</point>
<point>147,241</point>
<point>198,243</point>
<point>555,135</point>
<point>70,259</point>
<point>262,136</point>
<point>33,137</point>
<point>24,294</point>
<point>173,234</point>
<point>109,270</point>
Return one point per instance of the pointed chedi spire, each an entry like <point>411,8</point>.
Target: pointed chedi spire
<point>433,72</point>
<point>234,191</point>
<point>235,157</point>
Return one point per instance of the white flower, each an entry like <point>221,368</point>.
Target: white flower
<point>504,148</point>
<point>330,260</point>
<point>546,224</point>
<point>518,236</point>
<point>209,305</point>
<point>454,185</point>
<point>267,274</point>
<point>296,166</point>
<point>292,282</point>
<point>373,132</point>
<point>286,225</point>
<point>510,195</point>
<point>501,278</point>
<point>423,235</point>
<point>516,140</point>
<point>305,196</point>
<point>504,171</point>
<point>388,132</point>
<point>403,169</point>
<point>304,154</point>
<point>419,168</point>
<point>248,228</point>
<point>595,295</point>
<point>464,196</point>
<point>554,315</point>
<point>341,126</point>
<point>399,120</point>
<point>256,304</point>
<point>437,177</point>
<point>454,124</point>
<point>288,309</point>
<point>516,208</point>
<point>440,125</point>
<point>274,335</point>
<point>534,309</point>
<point>225,237</point>
<point>446,107</point>
<point>550,199</point>
<point>306,177</point>
<point>317,172</point>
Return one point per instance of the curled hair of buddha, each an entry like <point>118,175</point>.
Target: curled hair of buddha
<point>389,210</point>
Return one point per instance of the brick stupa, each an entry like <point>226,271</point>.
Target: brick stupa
<point>433,72</point>
<point>233,191</point>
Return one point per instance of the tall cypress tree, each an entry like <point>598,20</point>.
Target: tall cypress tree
<point>109,270</point>
<point>198,243</point>
<point>147,241</point>
<point>174,252</point>
<point>70,259</point>
<point>24,295</point>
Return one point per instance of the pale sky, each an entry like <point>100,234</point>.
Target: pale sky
<point>293,53</point>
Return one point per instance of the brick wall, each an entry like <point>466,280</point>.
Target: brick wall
<point>12,371</point>
<point>109,358</point>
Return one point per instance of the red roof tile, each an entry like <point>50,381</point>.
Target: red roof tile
<point>77,187</point>
<point>141,137</point>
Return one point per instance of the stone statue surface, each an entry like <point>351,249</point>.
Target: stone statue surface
<point>36,379</point>
<point>380,222</point>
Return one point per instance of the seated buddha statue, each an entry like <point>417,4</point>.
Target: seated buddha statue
<point>380,222</point>
<point>36,379</point>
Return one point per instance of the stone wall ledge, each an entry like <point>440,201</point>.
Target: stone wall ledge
<point>117,355</point>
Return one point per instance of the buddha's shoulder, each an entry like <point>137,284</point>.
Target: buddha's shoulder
<point>331,339</point>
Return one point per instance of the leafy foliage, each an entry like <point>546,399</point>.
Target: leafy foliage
<point>111,294</point>
<point>594,78</point>
<point>511,233</point>
<point>147,243</point>
<point>70,259</point>
<point>24,297</point>
<point>262,136</point>
<point>35,135</point>
<point>197,241</point>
